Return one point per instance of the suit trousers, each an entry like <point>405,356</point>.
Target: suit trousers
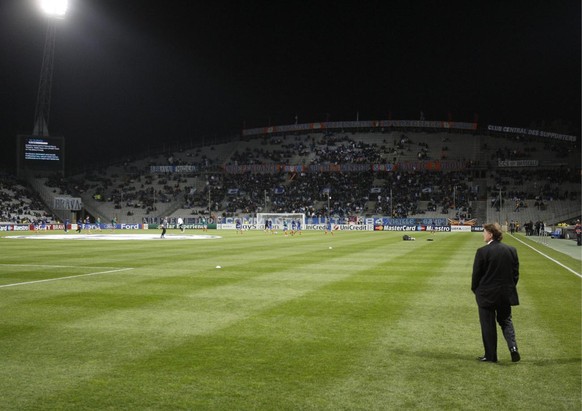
<point>487,318</point>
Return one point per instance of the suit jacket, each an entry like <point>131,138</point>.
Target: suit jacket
<point>495,275</point>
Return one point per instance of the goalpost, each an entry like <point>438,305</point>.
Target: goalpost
<point>278,218</point>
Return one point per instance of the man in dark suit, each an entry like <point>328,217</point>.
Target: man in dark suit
<point>494,281</point>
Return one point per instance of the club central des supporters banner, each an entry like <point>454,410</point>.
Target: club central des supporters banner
<point>367,124</point>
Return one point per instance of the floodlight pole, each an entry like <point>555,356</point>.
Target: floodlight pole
<point>43,99</point>
<point>55,10</point>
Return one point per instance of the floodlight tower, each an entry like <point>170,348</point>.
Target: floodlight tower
<point>55,10</point>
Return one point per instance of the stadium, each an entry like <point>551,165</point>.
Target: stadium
<point>317,265</point>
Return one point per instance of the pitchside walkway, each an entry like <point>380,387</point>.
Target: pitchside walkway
<point>564,246</point>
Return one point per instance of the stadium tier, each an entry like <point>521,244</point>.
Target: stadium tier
<point>456,174</point>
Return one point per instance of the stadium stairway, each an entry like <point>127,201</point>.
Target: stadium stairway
<point>48,196</point>
<point>554,212</point>
<point>480,211</point>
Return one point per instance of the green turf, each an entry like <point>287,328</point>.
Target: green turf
<point>287,323</point>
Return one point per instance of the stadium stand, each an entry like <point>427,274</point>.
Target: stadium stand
<point>493,177</point>
<point>19,204</point>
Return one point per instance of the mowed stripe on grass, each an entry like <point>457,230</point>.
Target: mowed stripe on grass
<point>287,323</point>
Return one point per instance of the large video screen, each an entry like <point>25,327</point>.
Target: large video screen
<point>41,153</point>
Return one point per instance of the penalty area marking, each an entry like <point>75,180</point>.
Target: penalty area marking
<point>548,257</point>
<point>61,278</point>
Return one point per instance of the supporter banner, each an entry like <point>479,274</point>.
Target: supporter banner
<point>383,167</point>
<point>345,168</point>
<point>438,165</point>
<point>470,222</point>
<point>174,169</point>
<point>355,168</point>
<point>324,168</point>
<point>428,124</point>
<point>528,132</point>
<point>518,163</point>
<point>67,203</point>
<point>293,169</point>
<point>341,125</point>
<point>253,168</point>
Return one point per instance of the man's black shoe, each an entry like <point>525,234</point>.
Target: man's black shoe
<point>515,357</point>
<point>485,359</point>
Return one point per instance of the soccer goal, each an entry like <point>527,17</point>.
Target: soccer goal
<point>277,219</point>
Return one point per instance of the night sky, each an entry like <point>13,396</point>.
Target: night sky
<point>135,74</point>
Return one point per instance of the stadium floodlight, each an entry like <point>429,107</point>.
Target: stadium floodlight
<point>54,8</point>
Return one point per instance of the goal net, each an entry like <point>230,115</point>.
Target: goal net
<point>277,219</point>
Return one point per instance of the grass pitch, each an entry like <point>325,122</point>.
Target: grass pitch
<point>286,323</point>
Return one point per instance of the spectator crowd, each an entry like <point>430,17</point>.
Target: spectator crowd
<point>400,192</point>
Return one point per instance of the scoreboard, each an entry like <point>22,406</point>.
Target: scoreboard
<point>39,153</point>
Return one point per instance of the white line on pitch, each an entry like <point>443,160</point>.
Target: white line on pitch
<point>51,266</point>
<point>548,257</point>
<point>65,278</point>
